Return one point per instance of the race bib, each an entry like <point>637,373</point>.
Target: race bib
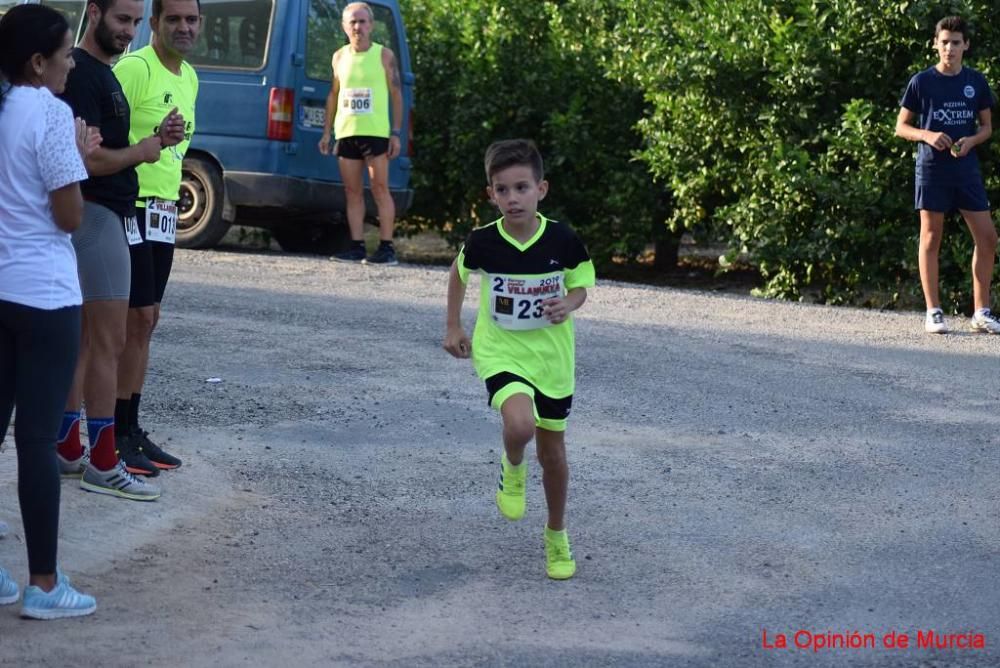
<point>357,101</point>
<point>161,220</point>
<point>516,302</point>
<point>132,230</point>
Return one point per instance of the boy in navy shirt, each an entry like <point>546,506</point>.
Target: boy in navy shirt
<point>947,109</point>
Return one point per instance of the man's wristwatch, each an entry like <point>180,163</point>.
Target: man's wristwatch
<point>396,133</point>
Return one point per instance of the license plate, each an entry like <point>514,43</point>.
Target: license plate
<point>312,117</point>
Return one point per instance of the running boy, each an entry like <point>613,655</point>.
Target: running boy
<point>535,273</point>
<point>949,99</point>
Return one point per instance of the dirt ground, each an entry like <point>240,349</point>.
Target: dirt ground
<point>738,467</point>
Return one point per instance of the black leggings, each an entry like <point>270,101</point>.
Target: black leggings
<point>38,351</point>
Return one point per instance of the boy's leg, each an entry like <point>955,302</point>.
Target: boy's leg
<point>518,413</point>
<point>984,235</point>
<point>559,562</point>
<point>931,229</point>
<point>551,446</point>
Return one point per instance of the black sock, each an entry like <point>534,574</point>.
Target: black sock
<point>133,413</point>
<point>121,416</point>
<point>386,244</point>
<point>359,244</point>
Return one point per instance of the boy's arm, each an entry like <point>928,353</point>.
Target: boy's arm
<point>558,309</point>
<point>966,144</point>
<point>908,131</point>
<point>456,342</point>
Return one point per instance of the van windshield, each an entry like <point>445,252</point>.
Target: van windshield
<point>234,34</point>
<point>324,34</point>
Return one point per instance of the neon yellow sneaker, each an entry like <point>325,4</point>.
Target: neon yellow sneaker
<point>510,492</point>
<point>559,562</point>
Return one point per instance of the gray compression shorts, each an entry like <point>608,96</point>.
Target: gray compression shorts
<point>102,255</point>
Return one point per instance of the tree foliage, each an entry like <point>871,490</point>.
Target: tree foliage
<point>767,124</point>
<point>778,132</point>
<point>495,69</point>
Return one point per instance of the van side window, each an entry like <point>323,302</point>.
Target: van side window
<point>75,10</point>
<point>324,34</point>
<point>234,34</point>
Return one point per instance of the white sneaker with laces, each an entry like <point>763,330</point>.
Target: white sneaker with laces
<point>984,321</point>
<point>934,322</point>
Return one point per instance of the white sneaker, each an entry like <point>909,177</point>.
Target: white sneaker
<point>934,322</point>
<point>986,322</point>
<point>118,482</point>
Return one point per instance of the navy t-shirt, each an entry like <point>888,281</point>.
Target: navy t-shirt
<point>949,104</point>
<point>94,94</point>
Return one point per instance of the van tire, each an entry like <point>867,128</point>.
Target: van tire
<point>199,220</point>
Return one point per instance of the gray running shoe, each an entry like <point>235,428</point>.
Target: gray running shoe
<point>118,482</point>
<point>4,529</point>
<point>73,468</point>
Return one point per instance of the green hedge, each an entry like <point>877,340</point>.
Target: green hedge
<point>774,134</point>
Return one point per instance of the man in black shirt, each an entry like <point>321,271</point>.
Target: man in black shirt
<point>101,243</point>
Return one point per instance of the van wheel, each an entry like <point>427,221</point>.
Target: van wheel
<point>311,238</point>
<point>199,209</point>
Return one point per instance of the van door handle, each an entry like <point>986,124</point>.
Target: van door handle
<point>298,59</point>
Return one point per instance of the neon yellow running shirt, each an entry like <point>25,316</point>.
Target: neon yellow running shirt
<point>363,99</point>
<point>511,332</point>
<point>152,91</point>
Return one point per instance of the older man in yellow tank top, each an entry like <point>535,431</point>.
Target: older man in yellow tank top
<point>365,80</point>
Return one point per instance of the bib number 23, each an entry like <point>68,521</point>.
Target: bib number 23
<point>518,303</point>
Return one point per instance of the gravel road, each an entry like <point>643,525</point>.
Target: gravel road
<point>738,467</point>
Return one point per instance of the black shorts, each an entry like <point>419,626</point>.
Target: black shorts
<point>151,264</point>
<point>360,147</point>
<point>550,413</point>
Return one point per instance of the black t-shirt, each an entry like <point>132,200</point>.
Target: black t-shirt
<point>95,95</point>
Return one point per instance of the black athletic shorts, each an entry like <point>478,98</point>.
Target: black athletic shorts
<point>151,264</point>
<point>360,147</point>
<point>549,413</point>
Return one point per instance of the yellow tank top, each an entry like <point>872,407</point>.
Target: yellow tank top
<point>363,102</point>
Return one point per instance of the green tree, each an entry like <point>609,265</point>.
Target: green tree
<point>777,133</point>
<point>496,69</point>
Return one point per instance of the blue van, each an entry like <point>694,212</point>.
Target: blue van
<point>264,72</point>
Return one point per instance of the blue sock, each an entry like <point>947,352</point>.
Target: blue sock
<point>69,420</point>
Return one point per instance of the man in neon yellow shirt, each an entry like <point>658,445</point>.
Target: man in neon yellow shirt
<point>155,79</point>
<point>365,79</point>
